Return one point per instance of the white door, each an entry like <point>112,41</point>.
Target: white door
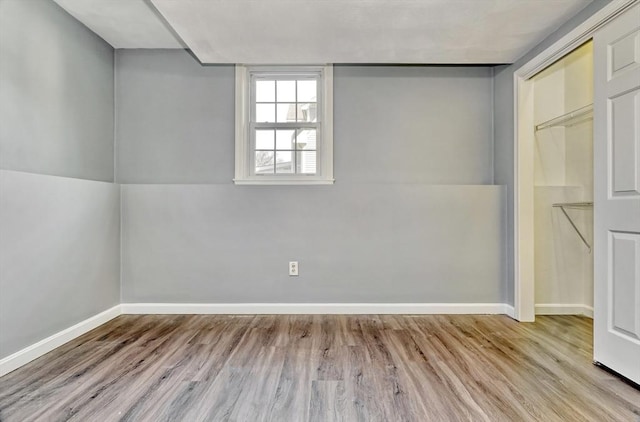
<point>617,195</point>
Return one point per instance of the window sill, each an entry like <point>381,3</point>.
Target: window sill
<point>283,182</point>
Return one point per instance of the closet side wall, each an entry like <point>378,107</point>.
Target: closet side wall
<point>579,144</point>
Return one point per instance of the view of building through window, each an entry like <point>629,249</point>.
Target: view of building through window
<point>284,140</point>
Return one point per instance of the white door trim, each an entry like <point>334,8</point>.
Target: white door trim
<point>524,301</point>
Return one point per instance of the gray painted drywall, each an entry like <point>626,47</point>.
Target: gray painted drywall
<point>175,118</point>
<point>59,236</point>
<point>414,124</point>
<point>59,254</point>
<point>354,243</point>
<point>503,128</point>
<point>56,93</point>
<point>383,233</point>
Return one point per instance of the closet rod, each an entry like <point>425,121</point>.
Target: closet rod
<point>583,112</point>
<point>562,206</point>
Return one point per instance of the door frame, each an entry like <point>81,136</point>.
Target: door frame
<point>523,149</point>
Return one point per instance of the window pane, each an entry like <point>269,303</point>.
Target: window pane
<point>306,139</point>
<point>286,91</point>
<point>307,91</point>
<point>265,91</point>
<point>306,162</point>
<point>286,113</point>
<point>264,162</point>
<point>264,139</point>
<point>308,112</point>
<point>285,139</point>
<point>265,113</point>
<point>284,162</point>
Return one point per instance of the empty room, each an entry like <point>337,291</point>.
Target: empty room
<point>319,210</point>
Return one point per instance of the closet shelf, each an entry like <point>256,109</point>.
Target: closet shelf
<point>576,205</point>
<point>572,118</point>
<point>559,186</point>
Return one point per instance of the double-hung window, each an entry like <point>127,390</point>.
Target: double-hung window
<point>284,125</point>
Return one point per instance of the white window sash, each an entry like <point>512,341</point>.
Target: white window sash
<point>245,127</point>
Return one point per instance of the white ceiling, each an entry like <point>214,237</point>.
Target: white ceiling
<point>329,31</point>
<point>123,23</point>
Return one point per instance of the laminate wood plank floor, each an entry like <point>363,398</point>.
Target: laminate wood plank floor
<point>322,368</point>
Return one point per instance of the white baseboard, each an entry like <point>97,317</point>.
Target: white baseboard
<point>26,355</point>
<point>314,308</point>
<point>564,309</point>
<point>509,311</point>
<point>588,311</point>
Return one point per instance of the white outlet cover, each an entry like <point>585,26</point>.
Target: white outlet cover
<point>293,268</point>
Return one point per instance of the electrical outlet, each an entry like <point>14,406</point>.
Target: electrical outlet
<point>293,268</point>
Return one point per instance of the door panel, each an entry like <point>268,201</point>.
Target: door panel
<point>625,53</point>
<point>625,284</point>
<point>617,194</point>
<point>625,115</point>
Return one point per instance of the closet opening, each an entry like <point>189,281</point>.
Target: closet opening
<point>563,185</point>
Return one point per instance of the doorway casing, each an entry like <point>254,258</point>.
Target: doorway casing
<point>523,218</point>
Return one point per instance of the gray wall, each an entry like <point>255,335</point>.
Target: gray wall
<point>59,236</point>
<point>175,118</point>
<point>413,124</point>
<point>410,218</point>
<point>56,93</point>
<point>503,126</point>
<point>354,243</point>
<point>392,124</point>
<point>59,254</point>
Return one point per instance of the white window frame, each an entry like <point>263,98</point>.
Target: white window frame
<point>244,171</point>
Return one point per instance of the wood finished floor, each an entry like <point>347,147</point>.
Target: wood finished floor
<point>321,368</point>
